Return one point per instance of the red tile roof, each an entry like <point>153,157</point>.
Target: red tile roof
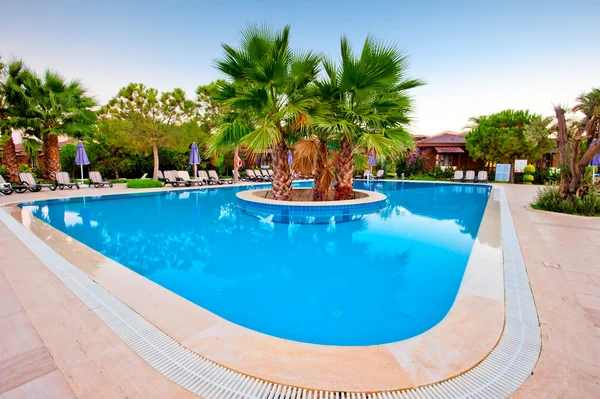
<point>443,138</point>
<point>449,150</point>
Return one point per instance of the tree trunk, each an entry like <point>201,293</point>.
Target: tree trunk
<point>155,153</point>
<point>320,191</point>
<point>236,152</point>
<point>10,159</point>
<point>116,173</point>
<point>563,142</point>
<point>51,157</point>
<point>282,179</point>
<point>343,188</point>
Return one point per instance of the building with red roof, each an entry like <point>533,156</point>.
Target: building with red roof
<point>447,149</point>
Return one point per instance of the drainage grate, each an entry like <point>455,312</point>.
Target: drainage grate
<point>499,375</point>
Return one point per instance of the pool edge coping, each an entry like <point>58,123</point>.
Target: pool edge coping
<point>75,285</point>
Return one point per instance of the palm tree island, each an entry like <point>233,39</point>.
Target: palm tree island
<point>283,99</point>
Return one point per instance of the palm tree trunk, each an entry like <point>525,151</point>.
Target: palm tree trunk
<point>321,192</point>
<point>282,179</point>
<point>343,188</point>
<point>565,177</point>
<point>10,159</point>
<point>51,157</point>
<point>155,154</point>
<point>236,152</point>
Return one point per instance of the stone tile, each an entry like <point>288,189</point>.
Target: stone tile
<point>586,288</point>
<point>579,277</point>
<point>9,303</point>
<point>49,386</point>
<point>17,336</point>
<point>26,367</point>
<point>596,279</point>
<point>589,301</point>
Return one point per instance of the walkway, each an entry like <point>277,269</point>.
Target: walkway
<point>51,345</point>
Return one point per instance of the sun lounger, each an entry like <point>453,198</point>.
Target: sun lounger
<point>252,176</point>
<point>171,178</point>
<point>28,180</point>
<point>145,175</point>
<point>458,175</point>
<point>184,176</point>
<point>5,188</point>
<point>203,177</point>
<point>266,176</point>
<point>212,175</point>
<point>482,176</point>
<point>97,181</point>
<point>12,188</point>
<point>380,174</point>
<point>270,172</point>
<point>470,176</point>
<point>64,180</point>
<point>161,176</point>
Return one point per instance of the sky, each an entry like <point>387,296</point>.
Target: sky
<point>477,57</point>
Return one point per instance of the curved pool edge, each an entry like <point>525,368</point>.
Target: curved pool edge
<point>222,330</point>
<point>309,212</point>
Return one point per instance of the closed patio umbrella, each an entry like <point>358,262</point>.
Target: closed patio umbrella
<point>194,158</point>
<point>81,158</point>
<point>372,161</point>
<point>596,160</point>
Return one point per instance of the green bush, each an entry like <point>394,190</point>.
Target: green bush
<point>24,168</point>
<point>3,171</point>
<point>144,183</point>
<point>529,170</point>
<point>549,199</point>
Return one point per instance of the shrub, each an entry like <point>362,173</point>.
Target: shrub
<point>413,164</point>
<point>3,171</point>
<point>144,183</point>
<point>25,168</point>
<point>528,170</point>
<point>549,199</point>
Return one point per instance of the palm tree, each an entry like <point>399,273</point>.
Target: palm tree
<point>271,85</point>
<point>369,103</point>
<point>229,132</point>
<point>60,108</point>
<point>12,105</point>
<point>572,163</point>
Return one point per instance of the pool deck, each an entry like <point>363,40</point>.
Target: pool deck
<point>50,340</point>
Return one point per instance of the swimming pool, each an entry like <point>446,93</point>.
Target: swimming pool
<point>387,276</point>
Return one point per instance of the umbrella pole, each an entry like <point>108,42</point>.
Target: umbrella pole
<point>81,175</point>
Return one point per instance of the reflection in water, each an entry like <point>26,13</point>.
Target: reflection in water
<point>388,276</point>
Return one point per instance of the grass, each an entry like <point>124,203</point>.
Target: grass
<point>144,183</point>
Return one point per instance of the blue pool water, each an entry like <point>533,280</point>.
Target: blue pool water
<point>389,276</point>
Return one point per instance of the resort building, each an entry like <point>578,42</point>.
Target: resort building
<point>448,149</point>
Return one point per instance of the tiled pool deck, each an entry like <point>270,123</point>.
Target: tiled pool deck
<point>20,265</point>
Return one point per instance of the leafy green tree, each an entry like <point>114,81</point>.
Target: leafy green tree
<point>507,136</point>
<point>149,119</point>
<point>270,85</point>
<point>68,152</point>
<point>13,108</point>
<point>574,155</point>
<point>370,105</point>
<point>59,108</point>
<point>211,109</point>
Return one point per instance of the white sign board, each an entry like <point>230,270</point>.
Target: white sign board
<point>502,172</point>
<point>520,165</point>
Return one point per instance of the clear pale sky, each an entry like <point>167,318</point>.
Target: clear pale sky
<point>477,57</point>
